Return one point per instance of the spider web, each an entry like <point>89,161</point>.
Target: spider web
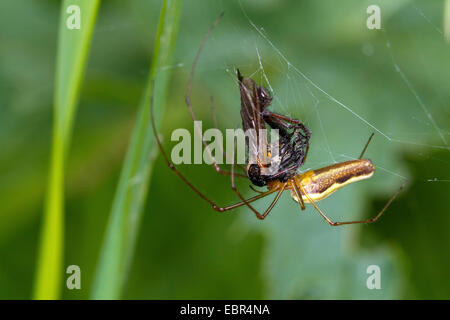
<point>297,94</point>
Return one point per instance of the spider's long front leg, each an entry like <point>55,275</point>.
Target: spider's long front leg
<point>334,224</point>
<point>217,168</point>
<point>222,150</point>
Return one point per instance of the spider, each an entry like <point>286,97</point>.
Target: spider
<point>308,187</point>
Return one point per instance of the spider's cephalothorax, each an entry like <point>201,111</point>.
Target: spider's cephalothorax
<point>293,140</point>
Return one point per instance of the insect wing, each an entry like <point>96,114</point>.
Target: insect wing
<point>252,120</point>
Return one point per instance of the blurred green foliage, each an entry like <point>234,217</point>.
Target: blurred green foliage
<point>72,53</point>
<point>123,226</point>
<point>185,249</point>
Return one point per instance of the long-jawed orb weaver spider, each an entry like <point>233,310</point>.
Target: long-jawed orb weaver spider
<point>308,187</point>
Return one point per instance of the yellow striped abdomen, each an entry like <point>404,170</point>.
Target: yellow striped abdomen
<point>322,182</point>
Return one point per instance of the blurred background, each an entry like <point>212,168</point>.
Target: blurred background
<point>323,66</point>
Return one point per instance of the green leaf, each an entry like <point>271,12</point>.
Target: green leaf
<point>73,48</point>
<point>123,226</point>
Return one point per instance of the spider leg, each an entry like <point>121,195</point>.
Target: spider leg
<point>365,147</point>
<point>275,200</point>
<point>214,119</point>
<point>298,193</point>
<point>331,223</point>
<point>189,106</point>
<point>254,189</point>
<point>185,180</point>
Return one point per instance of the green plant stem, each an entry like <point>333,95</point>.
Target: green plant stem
<point>447,20</point>
<point>123,226</point>
<point>73,49</point>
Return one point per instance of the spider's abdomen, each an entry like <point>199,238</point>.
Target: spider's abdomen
<point>321,183</point>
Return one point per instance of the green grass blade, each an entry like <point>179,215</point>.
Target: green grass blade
<point>123,225</point>
<point>447,20</point>
<point>73,48</point>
